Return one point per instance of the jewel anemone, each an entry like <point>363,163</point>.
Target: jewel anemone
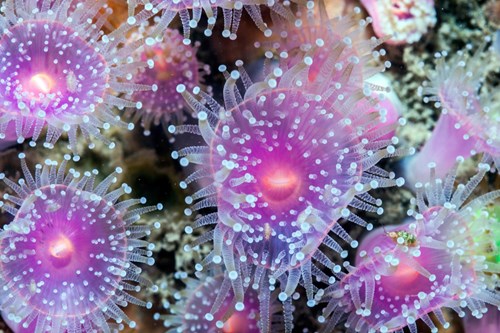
<point>469,122</point>
<point>404,22</point>
<point>67,259</point>
<point>432,262</point>
<point>285,164</point>
<point>172,63</point>
<point>351,60</point>
<point>206,304</point>
<point>60,72</point>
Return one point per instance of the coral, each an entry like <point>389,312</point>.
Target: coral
<point>405,22</point>
<point>207,305</point>
<point>60,72</point>
<point>469,122</point>
<point>433,261</point>
<point>172,63</point>
<point>69,253</point>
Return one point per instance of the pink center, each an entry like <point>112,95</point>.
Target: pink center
<point>60,249</point>
<point>279,184</point>
<point>40,83</point>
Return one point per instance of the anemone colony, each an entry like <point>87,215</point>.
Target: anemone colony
<point>288,155</point>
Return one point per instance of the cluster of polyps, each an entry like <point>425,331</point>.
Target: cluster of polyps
<point>417,268</point>
<point>60,72</point>
<point>286,161</point>
<point>190,12</point>
<point>469,123</point>
<point>207,305</point>
<point>68,255</point>
<point>172,63</point>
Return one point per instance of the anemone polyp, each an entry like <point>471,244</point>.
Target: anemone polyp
<point>433,261</point>
<point>231,10</point>
<point>285,163</point>
<point>342,57</point>
<point>172,63</point>
<point>60,72</point>
<point>343,36</point>
<point>404,22</point>
<point>469,120</point>
<point>206,306</point>
<point>68,255</point>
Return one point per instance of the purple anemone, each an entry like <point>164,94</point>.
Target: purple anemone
<point>59,71</point>
<point>417,268</point>
<point>285,163</point>
<point>469,123</point>
<point>67,258</point>
<point>404,22</point>
<point>207,305</point>
<point>342,49</point>
<point>172,63</point>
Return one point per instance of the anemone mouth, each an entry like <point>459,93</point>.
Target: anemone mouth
<point>72,233</point>
<point>403,11</point>
<point>279,184</point>
<point>61,250</point>
<point>57,75</point>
